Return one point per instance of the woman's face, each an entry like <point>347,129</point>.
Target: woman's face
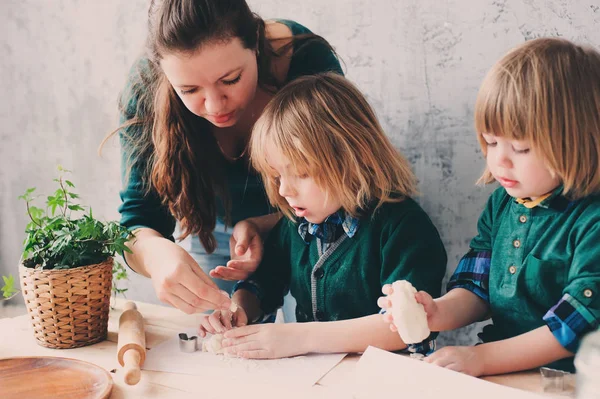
<point>217,82</point>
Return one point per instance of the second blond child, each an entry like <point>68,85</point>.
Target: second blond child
<point>351,226</point>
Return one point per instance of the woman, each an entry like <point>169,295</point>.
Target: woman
<point>188,109</point>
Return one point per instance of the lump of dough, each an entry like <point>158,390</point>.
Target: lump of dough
<point>213,344</point>
<point>409,316</point>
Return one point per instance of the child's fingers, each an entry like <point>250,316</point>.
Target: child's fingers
<point>388,317</point>
<point>426,300</point>
<point>217,272</point>
<point>214,273</point>
<point>387,289</point>
<point>201,331</point>
<point>244,331</point>
<point>206,326</point>
<point>455,367</point>
<point>239,318</point>
<point>442,361</point>
<point>226,318</point>
<point>423,297</point>
<point>384,303</point>
<point>247,265</point>
<point>215,321</point>
<point>440,358</point>
<point>226,273</point>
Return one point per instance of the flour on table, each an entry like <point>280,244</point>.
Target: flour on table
<point>214,344</point>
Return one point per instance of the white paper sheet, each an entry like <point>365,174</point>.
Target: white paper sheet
<point>384,374</point>
<point>301,371</point>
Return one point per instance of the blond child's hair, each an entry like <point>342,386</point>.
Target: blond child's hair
<point>325,128</point>
<point>547,92</point>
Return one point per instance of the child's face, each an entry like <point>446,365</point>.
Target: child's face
<point>516,166</point>
<point>301,192</point>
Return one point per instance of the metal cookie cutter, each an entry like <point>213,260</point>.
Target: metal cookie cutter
<point>188,344</point>
<point>556,380</point>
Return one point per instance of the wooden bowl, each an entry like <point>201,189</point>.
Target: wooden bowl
<point>53,377</point>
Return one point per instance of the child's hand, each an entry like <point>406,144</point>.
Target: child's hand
<point>222,320</point>
<point>246,249</point>
<point>464,359</point>
<point>430,306</point>
<point>265,341</point>
<point>421,297</point>
<point>386,304</point>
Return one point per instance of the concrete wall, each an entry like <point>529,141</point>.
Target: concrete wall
<point>419,62</point>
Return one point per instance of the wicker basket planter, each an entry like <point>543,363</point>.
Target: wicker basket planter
<point>68,308</point>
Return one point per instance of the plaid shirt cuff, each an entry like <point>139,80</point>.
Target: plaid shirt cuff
<point>248,285</point>
<point>569,321</point>
<point>426,347</point>
<point>254,288</point>
<point>473,274</point>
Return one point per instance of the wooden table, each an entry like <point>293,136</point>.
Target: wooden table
<point>16,339</point>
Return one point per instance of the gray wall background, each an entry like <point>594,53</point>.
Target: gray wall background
<point>420,63</point>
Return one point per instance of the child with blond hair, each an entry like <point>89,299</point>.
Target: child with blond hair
<point>351,226</point>
<point>534,266</point>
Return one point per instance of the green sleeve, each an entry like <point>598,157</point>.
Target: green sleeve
<point>414,252</point>
<point>312,57</point>
<point>483,240</point>
<point>272,277</point>
<point>583,281</point>
<point>139,207</point>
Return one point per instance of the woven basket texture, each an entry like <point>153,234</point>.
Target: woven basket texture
<point>68,308</point>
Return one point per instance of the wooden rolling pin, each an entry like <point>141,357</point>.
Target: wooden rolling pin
<point>131,351</point>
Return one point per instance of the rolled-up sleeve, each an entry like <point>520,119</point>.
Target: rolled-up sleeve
<point>578,311</point>
<point>473,274</point>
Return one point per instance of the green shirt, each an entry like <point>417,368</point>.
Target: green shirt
<point>248,199</point>
<point>398,242</point>
<point>544,267</point>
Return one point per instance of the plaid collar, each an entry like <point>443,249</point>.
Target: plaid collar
<point>553,200</point>
<point>330,229</point>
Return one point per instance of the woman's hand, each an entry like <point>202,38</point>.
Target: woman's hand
<point>246,248</point>
<point>222,320</point>
<point>177,278</point>
<point>266,341</point>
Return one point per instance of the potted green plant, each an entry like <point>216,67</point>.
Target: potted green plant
<point>67,268</point>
